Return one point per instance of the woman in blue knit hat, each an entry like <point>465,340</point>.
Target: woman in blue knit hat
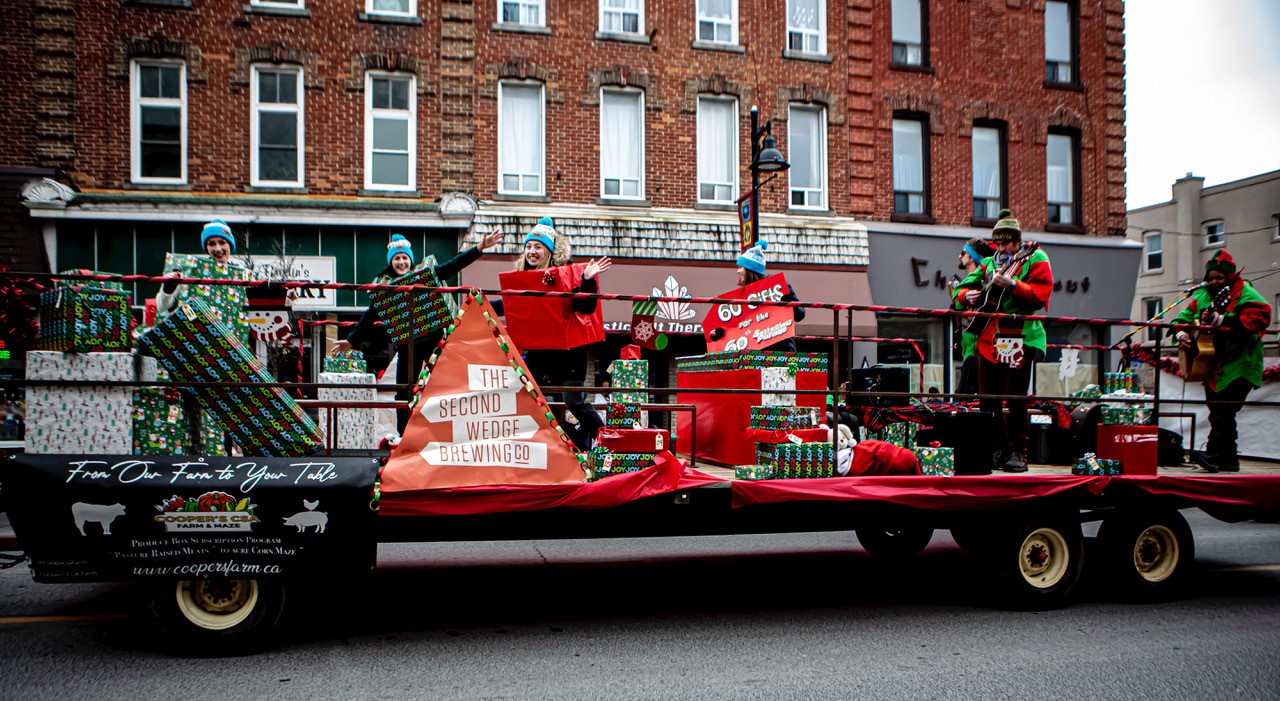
<point>752,268</point>
<point>400,262</point>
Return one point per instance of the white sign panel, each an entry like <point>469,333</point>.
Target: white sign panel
<point>313,268</point>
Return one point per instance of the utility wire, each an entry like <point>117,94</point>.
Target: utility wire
<point>1156,230</point>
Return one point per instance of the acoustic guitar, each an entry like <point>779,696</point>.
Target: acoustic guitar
<point>992,294</point>
<point>1197,360</point>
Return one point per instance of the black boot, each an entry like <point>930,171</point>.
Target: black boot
<point>1208,461</point>
<point>1016,462</point>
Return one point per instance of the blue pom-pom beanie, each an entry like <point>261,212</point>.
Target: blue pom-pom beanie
<point>400,244</point>
<point>218,228</point>
<point>544,232</point>
<point>753,258</point>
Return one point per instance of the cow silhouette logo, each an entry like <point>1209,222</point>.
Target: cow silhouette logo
<point>101,514</point>
<point>309,518</point>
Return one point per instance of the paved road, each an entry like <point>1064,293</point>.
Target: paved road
<point>801,616</point>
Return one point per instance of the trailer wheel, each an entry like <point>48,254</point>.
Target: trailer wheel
<point>895,544</point>
<point>973,539</point>
<point>237,613</point>
<point>1149,553</point>
<point>1040,562</point>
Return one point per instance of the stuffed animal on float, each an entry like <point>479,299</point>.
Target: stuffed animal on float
<point>844,454</point>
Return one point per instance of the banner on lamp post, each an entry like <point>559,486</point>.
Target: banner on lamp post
<point>745,220</point>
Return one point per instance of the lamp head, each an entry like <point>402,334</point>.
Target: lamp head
<point>770,159</point>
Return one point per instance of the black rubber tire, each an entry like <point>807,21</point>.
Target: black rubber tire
<point>895,544</point>
<point>1148,555</point>
<point>973,539</point>
<point>1037,562</point>
<point>252,610</point>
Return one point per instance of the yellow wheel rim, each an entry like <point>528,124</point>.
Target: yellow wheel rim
<point>1155,553</point>
<point>216,603</point>
<point>1044,558</point>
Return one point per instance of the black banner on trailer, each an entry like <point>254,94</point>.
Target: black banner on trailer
<point>114,518</point>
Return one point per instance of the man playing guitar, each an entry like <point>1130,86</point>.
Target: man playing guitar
<point>1241,319</point>
<point>1016,280</point>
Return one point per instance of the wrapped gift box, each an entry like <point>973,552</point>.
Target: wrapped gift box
<point>753,472</point>
<point>797,460</point>
<point>118,286</point>
<point>1091,464</point>
<point>631,374</point>
<point>84,319</point>
<point>349,362</point>
<point>83,419</point>
<point>771,418</point>
<point>936,461</point>
<point>357,428</point>
<point>795,435</point>
<point>901,434</point>
<point>623,415</point>
<point>193,347</point>
<point>549,322</point>
<point>779,385</point>
<point>1119,416</point>
<point>1136,447</point>
<point>226,303</point>
<point>159,423</point>
<point>753,360</point>
<point>602,462</point>
<point>634,440</point>
<point>413,313</point>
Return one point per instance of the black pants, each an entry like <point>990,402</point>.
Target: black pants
<point>1222,420</point>
<point>998,378</point>
<point>567,368</point>
<point>968,382</point>
<point>407,373</point>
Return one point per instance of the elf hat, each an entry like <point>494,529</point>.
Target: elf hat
<point>1006,229</point>
<point>399,244</point>
<point>220,229</point>
<point>1222,262</point>
<point>753,258</point>
<point>544,232</point>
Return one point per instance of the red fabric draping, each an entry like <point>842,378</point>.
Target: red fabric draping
<point>1227,497</point>
<point>925,492</point>
<point>668,474</point>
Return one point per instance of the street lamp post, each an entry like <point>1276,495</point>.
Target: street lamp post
<point>764,159</point>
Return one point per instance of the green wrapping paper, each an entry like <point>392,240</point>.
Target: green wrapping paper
<point>940,462</point>
<point>901,434</point>
<point>753,472</point>
<point>631,374</point>
<point>1091,464</point>
<point>753,360</point>
<point>349,362</point>
<point>80,319</point>
<point>414,313</point>
<point>797,460</point>
<point>118,286</point>
<point>265,421</point>
<point>226,303</point>
<point>159,425</point>
<point>770,418</point>
<point>602,462</point>
<point>1119,416</point>
<point>622,415</point>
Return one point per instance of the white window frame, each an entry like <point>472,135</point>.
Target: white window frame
<point>284,4</point>
<point>1070,62</point>
<point>371,7</point>
<point>897,23</point>
<point>735,165</point>
<point>1147,252</point>
<point>925,175</point>
<point>606,157</point>
<point>805,31</point>
<point>1073,165</point>
<point>542,139</point>
<point>700,18</point>
<point>638,11</point>
<point>523,5</point>
<point>412,118</point>
<point>256,108</point>
<point>137,102</point>
<point>999,168</point>
<point>823,155</point>
<point>1221,234</point>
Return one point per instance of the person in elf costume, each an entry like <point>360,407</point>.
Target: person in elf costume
<point>1241,316</point>
<point>1007,350</point>
<point>974,251</point>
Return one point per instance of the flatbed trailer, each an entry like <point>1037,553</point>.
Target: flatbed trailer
<point>1025,529</point>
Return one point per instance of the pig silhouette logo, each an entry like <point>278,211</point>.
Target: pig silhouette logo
<point>102,514</point>
<point>309,518</point>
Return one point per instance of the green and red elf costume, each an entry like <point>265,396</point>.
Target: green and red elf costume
<point>1241,321</point>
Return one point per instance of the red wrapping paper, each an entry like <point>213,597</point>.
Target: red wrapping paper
<point>723,419</point>
<point>634,440</point>
<point>548,323</point>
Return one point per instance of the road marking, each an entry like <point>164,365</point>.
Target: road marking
<point>65,619</point>
<point>1250,568</point>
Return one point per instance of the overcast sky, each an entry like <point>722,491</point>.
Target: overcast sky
<point>1202,92</point>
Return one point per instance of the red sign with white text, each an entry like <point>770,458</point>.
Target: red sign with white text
<point>737,327</point>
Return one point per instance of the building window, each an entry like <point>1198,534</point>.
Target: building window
<point>1214,234</point>
<point>275,130</point>
<point>159,122</point>
<point>521,138</point>
<point>1153,252</point>
<point>1151,306</point>
<point>988,171</point>
<point>390,120</point>
<point>291,4</point>
<point>1275,227</point>
<point>807,26</point>
<point>908,33</point>
<point>717,150</point>
<point>397,8</point>
<point>910,166</point>
<point>1062,184</point>
<point>807,148</point>
<point>622,16</point>
<point>1059,42</point>
<point>718,21</point>
<point>524,12</point>
<point>622,144</point>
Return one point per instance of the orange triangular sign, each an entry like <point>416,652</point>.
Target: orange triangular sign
<point>479,418</point>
